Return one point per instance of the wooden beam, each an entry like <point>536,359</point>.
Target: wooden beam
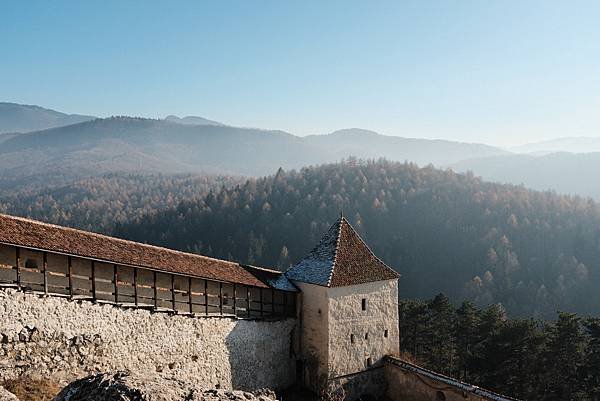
<point>234,299</point>
<point>190,295</point>
<point>116,280</point>
<point>18,261</point>
<point>70,275</point>
<point>261,302</point>
<point>155,290</point>
<point>93,281</point>
<point>248,300</point>
<point>221,298</point>
<point>173,292</point>
<point>45,263</point>
<point>206,297</point>
<point>135,288</point>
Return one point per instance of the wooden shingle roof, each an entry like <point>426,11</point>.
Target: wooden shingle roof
<point>48,237</point>
<point>341,258</point>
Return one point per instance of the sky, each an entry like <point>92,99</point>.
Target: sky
<point>498,72</point>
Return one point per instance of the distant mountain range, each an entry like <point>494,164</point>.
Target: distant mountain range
<point>68,147</point>
<point>125,144</point>
<point>191,120</point>
<point>580,144</point>
<point>25,118</point>
<point>568,173</point>
<point>19,118</point>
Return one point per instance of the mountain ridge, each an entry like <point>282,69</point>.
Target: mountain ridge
<point>134,144</point>
<point>17,118</point>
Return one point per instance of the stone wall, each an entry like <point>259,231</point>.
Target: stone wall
<point>360,339</point>
<point>314,336</point>
<point>405,381</point>
<point>63,339</point>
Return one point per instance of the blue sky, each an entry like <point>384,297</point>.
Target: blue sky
<point>499,72</point>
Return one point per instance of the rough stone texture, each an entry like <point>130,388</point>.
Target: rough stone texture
<point>132,387</point>
<point>6,395</point>
<point>330,316</point>
<point>313,334</point>
<point>64,340</point>
<point>346,318</point>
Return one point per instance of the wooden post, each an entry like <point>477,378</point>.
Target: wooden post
<point>70,274</point>
<point>93,281</point>
<point>173,292</point>
<point>116,279</point>
<point>18,260</point>
<point>248,300</point>
<point>234,299</point>
<point>190,295</point>
<point>206,297</point>
<point>261,302</point>
<point>155,290</point>
<point>221,298</point>
<point>135,290</point>
<point>284,294</point>
<point>45,263</point>
<point>273,313</point>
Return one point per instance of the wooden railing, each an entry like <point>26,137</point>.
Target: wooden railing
<point>129,286</point>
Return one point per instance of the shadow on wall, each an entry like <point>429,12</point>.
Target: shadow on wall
<point>367,385</point>
<point>261,354</point>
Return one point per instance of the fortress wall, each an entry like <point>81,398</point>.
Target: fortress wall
<point>417,384</point>
<point>356,335</point>
<point>63,339</point>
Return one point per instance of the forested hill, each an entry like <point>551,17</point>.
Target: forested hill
<point>532,251</point>
<point>99,203</point>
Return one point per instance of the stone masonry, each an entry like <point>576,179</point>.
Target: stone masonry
<point>65,340</point>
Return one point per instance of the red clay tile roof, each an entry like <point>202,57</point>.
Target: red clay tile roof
<point>49,237</point>
<point>340,259</point>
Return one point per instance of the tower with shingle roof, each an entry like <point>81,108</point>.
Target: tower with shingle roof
<point>349,312</point>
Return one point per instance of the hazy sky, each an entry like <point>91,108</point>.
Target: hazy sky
<point>497,72</point>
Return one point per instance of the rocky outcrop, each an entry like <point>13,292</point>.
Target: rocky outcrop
<point>129,387</point>
<point>6,395</point>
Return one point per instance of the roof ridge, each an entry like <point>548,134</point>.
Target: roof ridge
<point>125,241</point>
<point>337,247</point>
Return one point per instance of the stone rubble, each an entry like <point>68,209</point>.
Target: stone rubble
<point>125,386</point>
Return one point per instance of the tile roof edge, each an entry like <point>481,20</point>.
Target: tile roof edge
<point>124,241</point>
<point>266,269</point>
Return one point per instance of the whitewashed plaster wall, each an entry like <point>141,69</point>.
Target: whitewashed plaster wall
<point>61,339</point>
<point>346,318</point>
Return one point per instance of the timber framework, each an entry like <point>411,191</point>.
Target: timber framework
<point>58,261</point>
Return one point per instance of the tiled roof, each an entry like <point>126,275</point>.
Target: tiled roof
<point>273,278</point>
<point>340,259</point>
<point>487,394</point>
<point>49,237</point>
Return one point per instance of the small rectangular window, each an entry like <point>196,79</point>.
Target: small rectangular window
<point>369,362</point>
<point>352,338</point>
<point>367,335</point>
<point>385,333</point>
<point>364,304</point>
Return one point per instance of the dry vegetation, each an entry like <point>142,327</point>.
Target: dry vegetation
<point>28,389</point>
